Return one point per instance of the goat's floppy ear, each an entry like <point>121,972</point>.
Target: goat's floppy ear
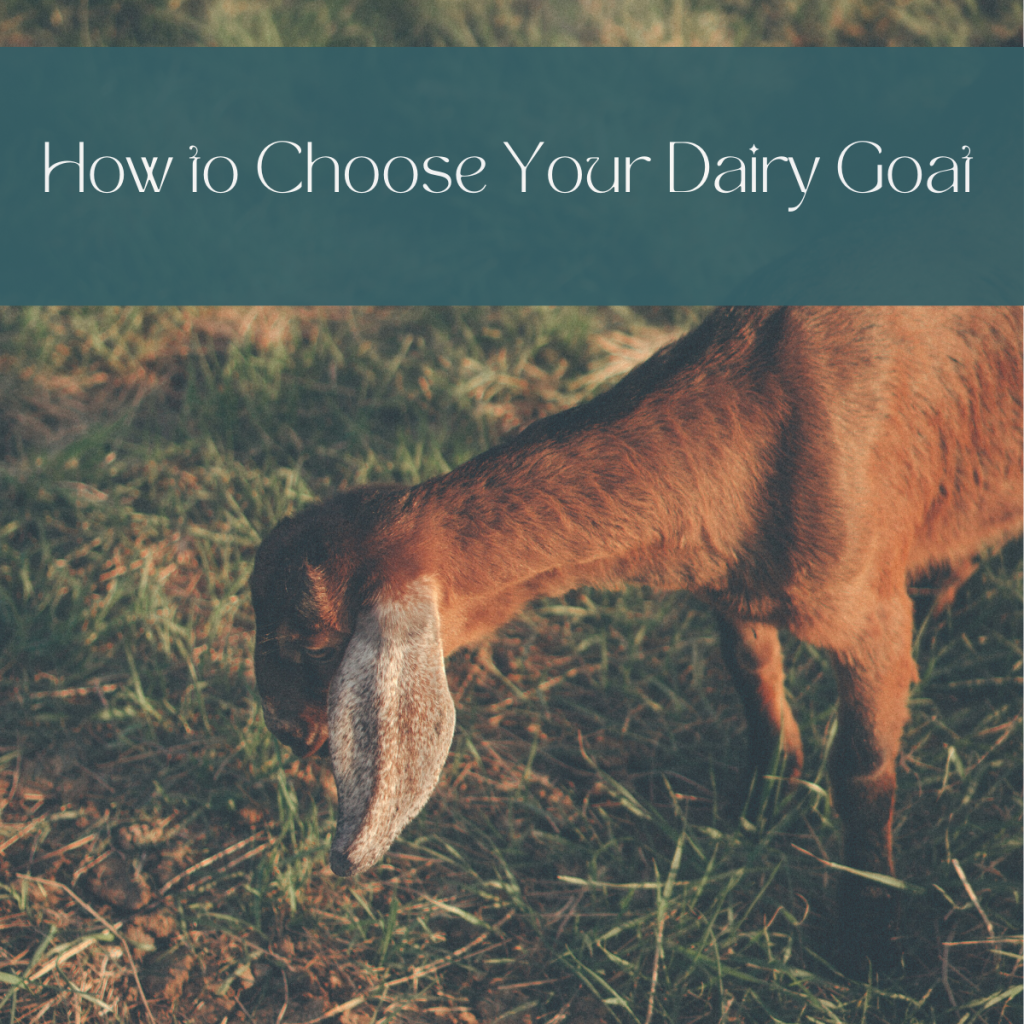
<point>390,721</point>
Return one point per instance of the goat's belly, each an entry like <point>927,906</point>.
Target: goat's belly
<point>959,532</point>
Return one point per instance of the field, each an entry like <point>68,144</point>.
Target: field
<point>590,854</point>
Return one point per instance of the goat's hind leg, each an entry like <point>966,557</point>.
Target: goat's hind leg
<point>936,591</point>
<point>753,655</point>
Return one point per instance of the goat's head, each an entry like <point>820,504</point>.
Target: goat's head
<point>348,650</point>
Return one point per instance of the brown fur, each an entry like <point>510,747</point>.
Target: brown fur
<point>795,467</point>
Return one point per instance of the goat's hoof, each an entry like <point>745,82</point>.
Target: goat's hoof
<point>865,941</point>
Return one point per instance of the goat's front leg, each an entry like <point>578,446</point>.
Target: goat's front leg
<point>753,656</point>
<point>874,678</point>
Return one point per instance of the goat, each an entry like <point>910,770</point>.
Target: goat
<point>794,467</point>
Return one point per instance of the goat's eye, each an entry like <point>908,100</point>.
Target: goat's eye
<point>317,659</point>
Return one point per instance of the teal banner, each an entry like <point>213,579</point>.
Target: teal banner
<point>512,176</point>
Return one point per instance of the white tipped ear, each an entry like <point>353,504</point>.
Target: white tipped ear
<point>391,719</point>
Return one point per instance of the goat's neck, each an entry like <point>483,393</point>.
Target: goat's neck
<point>663,493</point>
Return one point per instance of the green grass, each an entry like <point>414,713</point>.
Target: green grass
<point>589,855</point>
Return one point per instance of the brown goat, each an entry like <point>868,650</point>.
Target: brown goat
<point>794,467</point>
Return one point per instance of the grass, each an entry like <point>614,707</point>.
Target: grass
<point>509,22</point>
<point>590,854</point>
